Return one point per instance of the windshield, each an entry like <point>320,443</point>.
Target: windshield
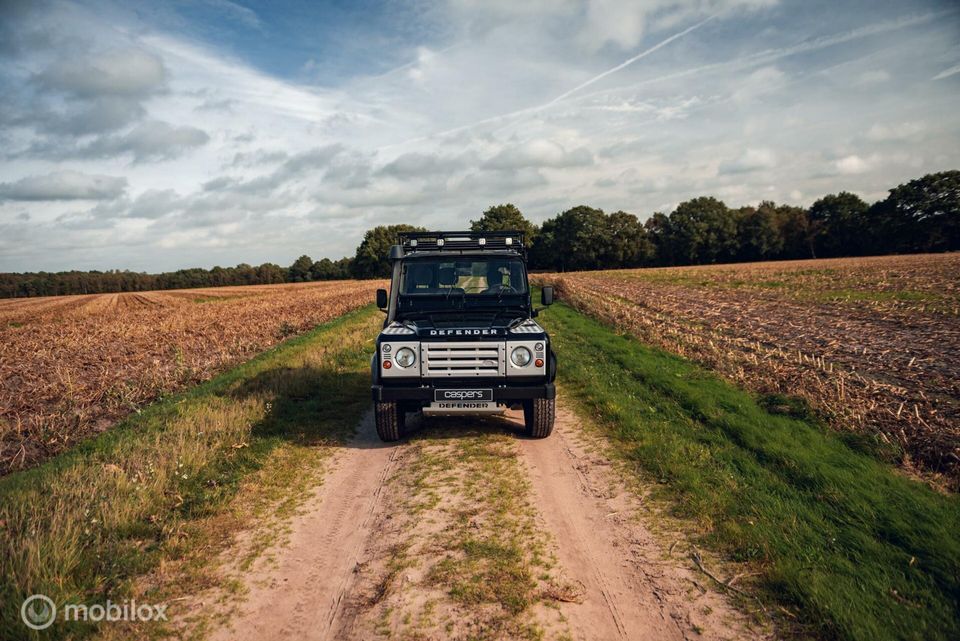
<point>481,276</point>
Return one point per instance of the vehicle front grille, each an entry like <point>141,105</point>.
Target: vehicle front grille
<point>462,359</point>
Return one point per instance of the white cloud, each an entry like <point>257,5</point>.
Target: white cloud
<point>64,185</point>
<point>873,77</point>
<point>749,160</point>
<point>539,153</point>
<point>762,81</point>
<point>151,140</point>
<point>154,203</point>
<point>896,132</point>
<point>118,72</point>
<point>419,165</point>
<point>854,164</point>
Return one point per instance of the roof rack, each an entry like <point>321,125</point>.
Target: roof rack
<point>453,241</point>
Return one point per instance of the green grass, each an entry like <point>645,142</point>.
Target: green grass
<point>172,483</point>
<point>473,534</point>
<point>491,540</point>
<point>852,548</point>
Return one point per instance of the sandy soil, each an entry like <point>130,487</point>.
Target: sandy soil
<point>298,592</point>
<point>633,589</point>
<point>337,575</point>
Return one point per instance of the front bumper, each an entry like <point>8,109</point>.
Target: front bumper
<point>423,391</point>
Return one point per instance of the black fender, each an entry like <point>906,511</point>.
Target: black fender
<point>374,370</point>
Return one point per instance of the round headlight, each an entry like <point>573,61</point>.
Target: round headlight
<point>520,356</point>
<point>405,357</point>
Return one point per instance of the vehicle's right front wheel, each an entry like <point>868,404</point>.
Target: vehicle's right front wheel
<point>389,418</point>
<point>538,417</point>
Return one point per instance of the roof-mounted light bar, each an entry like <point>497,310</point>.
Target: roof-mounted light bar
<point>449,241</point>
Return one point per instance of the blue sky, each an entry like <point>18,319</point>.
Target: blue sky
<point>153,136</point>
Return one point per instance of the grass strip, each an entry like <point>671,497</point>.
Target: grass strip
<point>84,526</point>
<point>842,541</point>
<point>473,563</point>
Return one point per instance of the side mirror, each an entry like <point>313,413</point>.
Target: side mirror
<point>546,296</point>
<point>382,301</point>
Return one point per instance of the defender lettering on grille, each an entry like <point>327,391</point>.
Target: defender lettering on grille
<point>464,332</point>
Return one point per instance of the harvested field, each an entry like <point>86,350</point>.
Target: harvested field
<point>72,366</point>
<point>872,344</point>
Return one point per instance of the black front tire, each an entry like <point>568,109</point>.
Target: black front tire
<point>538,417</point>
<point>390,421</point>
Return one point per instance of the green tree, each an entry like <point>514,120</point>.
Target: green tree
<point>794,225</point>
<point>269,273</point>
<point>703,230</point>
<point>577,239</point>
<point>542,252</point>
<point>839,225</point>
<point>627,244</point>
<point>323,269</point>
<point>658,233</point>
<point>921,215</point>
<point>759,232</point>
<point>504,218</point>
<point>373,255</point>
<point>326,269</point>
<point>344,267</point>
<point>300,269</point>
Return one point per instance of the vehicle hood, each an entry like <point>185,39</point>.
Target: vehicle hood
<point>466,329</point>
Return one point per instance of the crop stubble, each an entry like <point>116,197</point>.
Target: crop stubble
<point>873,344</point>
<point>72,366</point>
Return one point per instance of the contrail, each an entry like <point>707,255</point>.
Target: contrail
<point>564,95</point>
<point>947,73</point>
<point>772,55</point>
<point>630,61</point>
<point>763,57</point>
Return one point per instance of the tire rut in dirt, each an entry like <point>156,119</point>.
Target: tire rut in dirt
<point>630,590</point>
<point>301,594</point>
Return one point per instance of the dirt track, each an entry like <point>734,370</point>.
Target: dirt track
<point>361,558</point>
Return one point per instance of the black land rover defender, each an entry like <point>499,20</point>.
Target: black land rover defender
<point>460,336</point>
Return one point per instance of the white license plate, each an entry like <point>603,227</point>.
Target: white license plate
<point>462,395</point>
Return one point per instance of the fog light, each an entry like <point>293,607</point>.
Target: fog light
<point>387,364</point>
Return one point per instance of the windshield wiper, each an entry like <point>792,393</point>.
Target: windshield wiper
<point>508,310</point>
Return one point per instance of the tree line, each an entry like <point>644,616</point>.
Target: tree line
<point>922,215</point>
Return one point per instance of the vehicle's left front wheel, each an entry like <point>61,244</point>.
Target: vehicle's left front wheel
<point>539,415</point>
<point>389,419</point>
